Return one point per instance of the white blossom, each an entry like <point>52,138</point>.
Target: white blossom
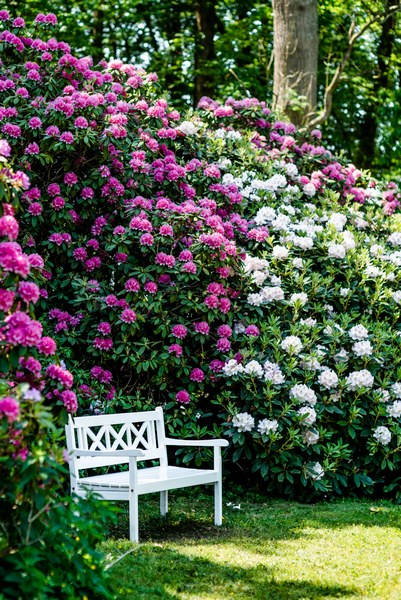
<point>397,296</point>
<point>291,170</point>
<point>303,242</point>
<point>308,415</point>
<point>309,189</point>
<point>188,128</point>
<point>298,263</point>
<point>337,220</point>
<point>265,215</point>
<point>303,393</point>
<point>328,379</point>
<point>254,368</point>
<point>310,437</point>
<point>336,251</point>
<point>383,435</point>
<point>344,292</point>
<point>269,294</point>
<point>348,240</point>
<point>358,332</point>
<point>243,422</point>
<point>314,471</point>
<point>363,348</point>
<point>266,426</point>
<point>396,389</point>
<point>373,272</point>
<point>259,277</point>
<point>292,344</point>
<point>310,363</point>
<point>232,367</point>
<point>395,238</point>
<point>280,252</point>
<point>309,322</point>
<point>273,373</point>
<point>394,410</point>
<point>377,250</point>
<point>359,379</point>
<point>300,298</point>
<point>281,222</point>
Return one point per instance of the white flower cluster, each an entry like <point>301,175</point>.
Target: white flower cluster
<point>328,379</point>
<point>310,436</point>
<point>358,332</point>
<point>273,373</point>
<point>265,215</point>
<point>266,426</point>
<point>303,393</point>
<point>243,422</point>
<point>232,367</point>
<point>308,415</point>
<point>396,389</point>
<point>280,252</point>
<point>359,379</point>
<point>254,368</point>
<point>337,220</point>
<point>336,251</point>
<point>292,344</point>
<point>188,128</point>
<point>265,295</point>
<point>363,348</point>
<point>395,238</point>
<point>314,471</point>
<point>394,410</point>
<point>300,298</point>
<point>383,435</point>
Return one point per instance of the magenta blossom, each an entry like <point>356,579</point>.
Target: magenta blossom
<point>224,331</point>
<point>69,400</point>
<point>202,327</point>
<point>197,375</point>
<point>175,349</point>
<point>47,346</point>
<point>252,331</point>
<point>183,397</point>
<point>10,408</point>
<point>128,316</point>
<point>179,331</point>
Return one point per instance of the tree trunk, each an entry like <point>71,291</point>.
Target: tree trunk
<point>205,54</point>
<point>296,43</point>
<point>97,35</point>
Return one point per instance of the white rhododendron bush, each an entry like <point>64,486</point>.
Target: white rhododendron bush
<point>222,264</point>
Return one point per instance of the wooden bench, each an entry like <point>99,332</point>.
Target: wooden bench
<point>105,440</point>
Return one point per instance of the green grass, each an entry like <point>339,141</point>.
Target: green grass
<point>266,550</point>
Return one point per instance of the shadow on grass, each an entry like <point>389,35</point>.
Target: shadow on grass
<point>154,572</point>
<point>191,518</point>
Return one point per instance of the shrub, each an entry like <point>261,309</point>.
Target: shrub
<point>37,520</point>
<point>186,254</point>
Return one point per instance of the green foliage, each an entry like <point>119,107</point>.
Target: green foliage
<point>47,539</point>
<point>267,550</point>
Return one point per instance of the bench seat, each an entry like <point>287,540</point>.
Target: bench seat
<point>124,439</point>
<point>152,479</point>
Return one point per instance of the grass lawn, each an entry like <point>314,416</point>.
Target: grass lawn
<point>266,550</point>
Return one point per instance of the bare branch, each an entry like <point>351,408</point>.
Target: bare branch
<point>353,37</point>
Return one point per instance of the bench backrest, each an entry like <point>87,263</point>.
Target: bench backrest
<point>122,431</point>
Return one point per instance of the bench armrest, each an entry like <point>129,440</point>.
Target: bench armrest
<point>210,443</point>
<point>116,453</point>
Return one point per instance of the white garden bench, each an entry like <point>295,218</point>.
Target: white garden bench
<point>105,440</point>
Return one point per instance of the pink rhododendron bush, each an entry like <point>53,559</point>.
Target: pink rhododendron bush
<point>37,518</point>
<point>225,265</point>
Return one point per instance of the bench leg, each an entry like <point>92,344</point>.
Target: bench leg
<point>133,518</point>
<point>218,503</point>
<point>163,503</point>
